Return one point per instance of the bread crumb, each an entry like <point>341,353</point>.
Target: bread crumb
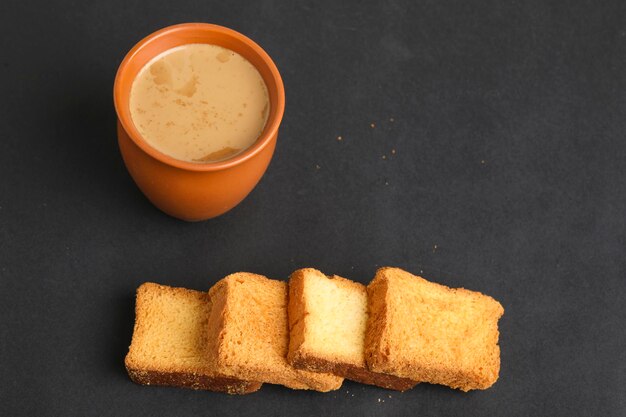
<point>372,125</point>
<point>434,248</point>
<point>317,166</point>
<point>393,151</point>
<point>391,119</point>
<point>339,138</point>
<point>384,156</point>
<point>379,400</point>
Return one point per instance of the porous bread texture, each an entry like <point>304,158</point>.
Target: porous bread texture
<point>169,342</point>
<point>432,333</point>
<point>250,334</point>
<point>327,322</point>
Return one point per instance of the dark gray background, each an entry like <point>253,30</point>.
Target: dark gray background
<point>508,178</point>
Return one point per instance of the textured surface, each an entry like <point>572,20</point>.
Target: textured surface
<point>327,322</point>
<point>508,178</point>
<point>249,328</point>
<point>431,333</point>
<point>330,313</point>
<point>169,344</point>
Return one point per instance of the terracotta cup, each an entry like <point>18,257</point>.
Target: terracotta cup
<point>195,191</point>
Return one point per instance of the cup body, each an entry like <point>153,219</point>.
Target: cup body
<point>185,190</point>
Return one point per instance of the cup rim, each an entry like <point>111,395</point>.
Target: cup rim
<point>271,127</point>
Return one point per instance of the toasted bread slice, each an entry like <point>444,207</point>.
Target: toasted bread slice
<point>169,342</point>
<point>250,334</point>
<point>327,320</point>
<point>431,333</point>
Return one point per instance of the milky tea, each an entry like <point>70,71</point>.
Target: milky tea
<point>199,103</point>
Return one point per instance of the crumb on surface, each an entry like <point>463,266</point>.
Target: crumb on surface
<point>339,138</point>
<point>391,119</point>
<point>372,125</point>
<point>317,166</point>
<point>482,161</point>
<point>393,151</point>
<point>384,156</point>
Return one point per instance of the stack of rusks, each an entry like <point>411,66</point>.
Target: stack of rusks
<point>313,332</point>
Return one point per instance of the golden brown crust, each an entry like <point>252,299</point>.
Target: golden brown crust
<point>403,342</point>
<point>193,381</point>
<point>377,349</point>
<point>351,372</point>
<point>296,314</point>
<point>347,283</point>
<point>145,371</point>
<point>250,324</point>
<point>302,359</point>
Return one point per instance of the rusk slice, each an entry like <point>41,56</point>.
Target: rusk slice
<point>327,321</point>
<point>170,339</point>
<point>249,333</point>
<point>431,333</point>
